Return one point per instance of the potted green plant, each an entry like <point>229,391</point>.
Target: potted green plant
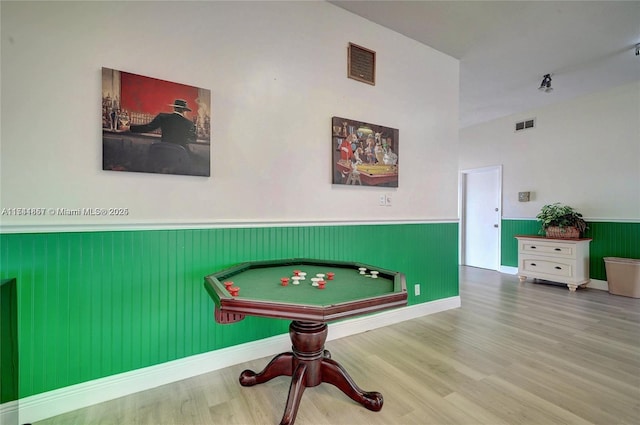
<point>561,221</point>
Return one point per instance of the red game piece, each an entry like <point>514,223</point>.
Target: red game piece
<point>235,291</point>
<point>330,275</point>
<point>228,284</point>
<point>296,272</point>
<point>284,281</point>
<point>321,284</point>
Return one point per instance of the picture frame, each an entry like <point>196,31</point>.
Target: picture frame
<point>361,64</point>
<point>364,154</point>
<point>154,126</point>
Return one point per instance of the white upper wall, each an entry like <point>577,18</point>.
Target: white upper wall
<point>277,74</point>
<point>584,153</point>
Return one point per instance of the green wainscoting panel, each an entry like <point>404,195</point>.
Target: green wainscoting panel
<point>94,304</point>
<point>610,239</point>
<point>508,242</point>
<point>9,361</point>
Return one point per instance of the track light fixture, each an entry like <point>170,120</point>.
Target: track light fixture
<point>638,49</point>
<point>545,85</point>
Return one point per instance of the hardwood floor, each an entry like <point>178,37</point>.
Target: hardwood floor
<point>514,353</point>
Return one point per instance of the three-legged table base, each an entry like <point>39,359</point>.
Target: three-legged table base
<point>309,364</point>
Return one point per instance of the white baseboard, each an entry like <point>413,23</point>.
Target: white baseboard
<point>593,283</point>
<point>53,403</point>
<point>603,285</point>
<point>508,270</point>
<point>9,413</point>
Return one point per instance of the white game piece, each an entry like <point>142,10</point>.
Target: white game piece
<point>362,270</point>
<point>296,280</point>
<point>374,274</point>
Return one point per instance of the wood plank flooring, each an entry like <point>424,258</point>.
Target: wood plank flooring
<point>514,353</point>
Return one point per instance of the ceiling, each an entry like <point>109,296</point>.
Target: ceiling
<point>506,47</point>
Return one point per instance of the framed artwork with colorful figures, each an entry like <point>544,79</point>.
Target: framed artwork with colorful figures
<point>154,126</point>
<point>364,154</point>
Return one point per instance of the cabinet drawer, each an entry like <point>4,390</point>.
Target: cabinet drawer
<point>567,251</point>
<point>534,266</point>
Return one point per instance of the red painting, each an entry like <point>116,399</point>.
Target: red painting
<point>154,126</point>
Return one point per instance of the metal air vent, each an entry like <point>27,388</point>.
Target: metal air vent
<point>524,125</point>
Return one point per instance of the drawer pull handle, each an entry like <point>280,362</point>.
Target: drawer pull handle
<point>533,247</point>
<point>558,268</point>
<point>533,264</point>
<point>557,249</point>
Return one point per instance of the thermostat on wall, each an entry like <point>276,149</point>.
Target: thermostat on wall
<point>524,196</point>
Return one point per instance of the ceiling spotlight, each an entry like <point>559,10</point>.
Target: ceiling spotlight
<point>545,85</point>
<point>638,49</point>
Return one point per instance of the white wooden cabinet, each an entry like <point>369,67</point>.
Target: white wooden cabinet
<point>557,260</point>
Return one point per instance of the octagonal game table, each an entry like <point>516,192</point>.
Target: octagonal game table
<point>351,292</point>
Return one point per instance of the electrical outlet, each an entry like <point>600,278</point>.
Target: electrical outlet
<point>382,200</point>
<point>416,289</point>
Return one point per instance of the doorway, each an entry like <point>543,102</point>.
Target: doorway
<point>480,217</point>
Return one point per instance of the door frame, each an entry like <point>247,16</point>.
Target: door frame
<point>462,192</point>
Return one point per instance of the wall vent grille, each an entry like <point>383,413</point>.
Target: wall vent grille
<point>526,124</point>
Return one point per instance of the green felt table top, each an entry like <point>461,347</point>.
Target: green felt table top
<point>348,284</point>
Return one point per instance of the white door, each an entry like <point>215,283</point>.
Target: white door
<point>480,217</point>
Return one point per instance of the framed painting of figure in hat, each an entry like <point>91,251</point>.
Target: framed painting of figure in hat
<point>154,126</point>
